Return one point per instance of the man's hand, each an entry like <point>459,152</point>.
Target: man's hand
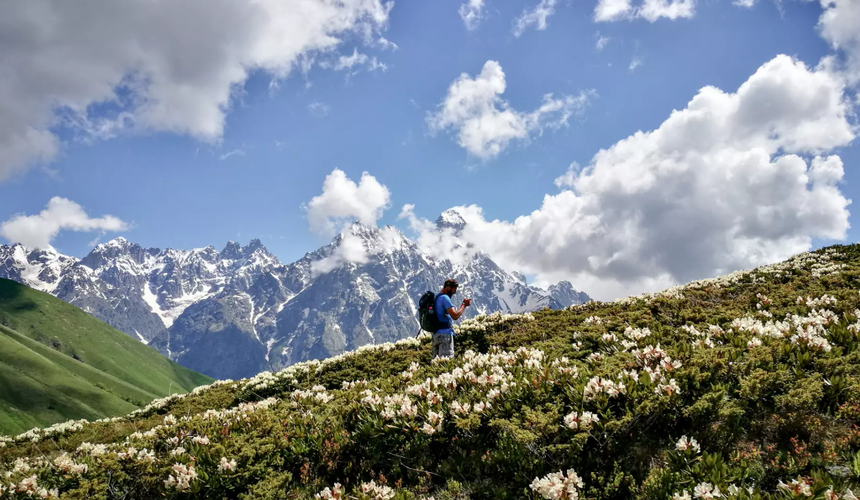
<point>467,302</point>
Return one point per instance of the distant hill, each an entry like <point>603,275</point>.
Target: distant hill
<point>59,363</point>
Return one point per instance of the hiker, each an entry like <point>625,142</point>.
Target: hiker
<point>443,338</point>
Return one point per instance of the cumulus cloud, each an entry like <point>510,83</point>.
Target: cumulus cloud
<point>838,25</point>
<point>343,201</point>
<point>485,123</point>
<point>37,231</point>
<point>167,66</point>
<point>349,248</point>
<point>536,17</point>
<point>472,13</point>
<point>651,10</point>
<point>441,243</point>
<point>732,181</point>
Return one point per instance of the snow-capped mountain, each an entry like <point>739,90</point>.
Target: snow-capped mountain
<point>233,313</point>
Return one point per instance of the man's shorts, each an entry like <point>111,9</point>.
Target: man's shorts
<point>443,345</point>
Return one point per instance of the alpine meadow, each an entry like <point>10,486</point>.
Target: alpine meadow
<point>58,362</point>
<point>745,386</point>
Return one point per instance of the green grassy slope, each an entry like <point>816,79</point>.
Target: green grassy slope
<point>59,363</point>
<point>749,384</point>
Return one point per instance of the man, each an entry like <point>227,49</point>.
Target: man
<point>443,339</point>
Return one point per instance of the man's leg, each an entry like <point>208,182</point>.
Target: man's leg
<point>446,347</point>
<point>434,350</point>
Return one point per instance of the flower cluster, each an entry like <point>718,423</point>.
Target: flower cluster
<point>65,463</point>
<point>335,493</point>
<point>227,465</point>
<point>582,422</point>
<point>593,320</point>
<point>181,477</point>
<point>597,386</point>
<point>801,488</point>
<point>490,322</point>
<point>377,491</point>
<point>686,443</point>
<point>558,485</point>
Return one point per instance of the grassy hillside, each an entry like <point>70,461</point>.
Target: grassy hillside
<point>741,387</point>
<point>59,363</point>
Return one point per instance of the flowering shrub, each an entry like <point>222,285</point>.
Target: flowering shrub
<point>745,386</point>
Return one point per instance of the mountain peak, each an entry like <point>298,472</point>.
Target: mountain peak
<point>232,250</point>
<point>118,242</point>
<point>451,219</point>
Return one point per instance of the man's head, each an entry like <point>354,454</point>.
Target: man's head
<point>450,287</point>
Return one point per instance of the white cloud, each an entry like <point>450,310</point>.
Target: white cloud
<point>441,243</point>
<point>384,43</point>
<point>350,249</point>
<point>319,108</point>
<point>651,10</point>
<point>169,66</point>
<point>471,13</point>
<point>723,184</point>
<point>635,63</point>
<point>602,41</point>
<point>235,152</point>
<point>343,201</point>
<point>838,25</point>
<point>486,123</point>
<point>536,17</point>
<point>359,59</point>
<point>37,231</point>
<point>612,10</point>
<point>567,179</point>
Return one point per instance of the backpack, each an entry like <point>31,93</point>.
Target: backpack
<point>427,317</point>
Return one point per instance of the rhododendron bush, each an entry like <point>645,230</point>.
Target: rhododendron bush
<point>745,386</point>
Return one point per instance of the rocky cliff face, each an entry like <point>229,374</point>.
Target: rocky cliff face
<point>236,312</point>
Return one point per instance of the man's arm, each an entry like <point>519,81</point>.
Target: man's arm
<point>456,313</point>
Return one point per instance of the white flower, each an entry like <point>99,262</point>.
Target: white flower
<point>684,495</point>
<point>181,477</point>
<point>797,487</point>
<point>707,491</point>
<point>753,343</point>
<point>558,485</point>
<point>428,429</point>
<point>686,443</point>
<point>226,466</point>
<point>670,388</point>
<point>202,440</point>
<point>377,491</point>
<point>335,493</point>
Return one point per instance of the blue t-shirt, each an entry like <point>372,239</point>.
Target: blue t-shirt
<point>443,303</point>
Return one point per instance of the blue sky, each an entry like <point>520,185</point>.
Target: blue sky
<point>182,189</point>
